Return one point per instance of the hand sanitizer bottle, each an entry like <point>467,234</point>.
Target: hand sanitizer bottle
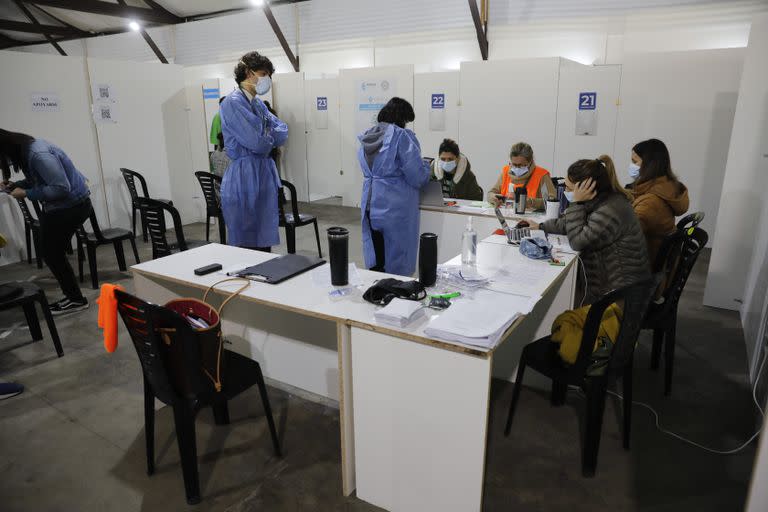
<point>469,245</point>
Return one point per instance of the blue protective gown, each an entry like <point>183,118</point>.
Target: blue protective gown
<point>394,173</point>
<point>250,185</point>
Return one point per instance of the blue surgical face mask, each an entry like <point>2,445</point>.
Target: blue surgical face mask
<point>448,166</point>
<point>569,195</point>
<point>518,171</point>
<point>634,171</point>
<point>263,85</point>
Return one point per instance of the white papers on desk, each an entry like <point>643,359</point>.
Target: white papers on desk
<point>560,243</point>
<point>399,312</point>
<point>480,322</point>
<point>462,276</point>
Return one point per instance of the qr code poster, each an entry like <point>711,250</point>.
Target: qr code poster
<point>105,113</point>
<point>104,93</point>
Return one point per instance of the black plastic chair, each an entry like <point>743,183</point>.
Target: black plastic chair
<point>153,212</point>
<point>676,259</point>
<point>91,241</point>
<point>690,221</point>
<point>31,232</point>
<point>130,178</point>
<point>25,295</point>
<point>294,219</point>
<point>173,374</point>
<point>542,356</point>
<point>211,184</point>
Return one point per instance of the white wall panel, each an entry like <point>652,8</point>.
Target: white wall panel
<point>290,104</point>
<point>504,102</point>
<point>688,100</point>
<point>70,128</point>
<point>323,145</point>
<point>132,46</point>
<point>574,79</point>
<point>424,85</point>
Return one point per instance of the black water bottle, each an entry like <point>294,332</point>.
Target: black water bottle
<point>338,250</point>
<point>428,259</point>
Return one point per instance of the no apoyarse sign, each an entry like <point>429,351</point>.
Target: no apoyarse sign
<point>45,102</point>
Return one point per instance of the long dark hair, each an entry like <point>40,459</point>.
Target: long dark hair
<point>602,171</point>
<point>397,111</point>
<point>656,161</point>
<point>13,146</point>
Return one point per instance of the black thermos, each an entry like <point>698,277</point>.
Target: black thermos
<point>428,259</point>
<point>338,249</point>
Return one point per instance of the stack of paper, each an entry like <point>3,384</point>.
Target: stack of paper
<point>399,312</point>
<point>475,322</point>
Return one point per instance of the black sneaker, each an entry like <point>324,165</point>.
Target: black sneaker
<point>68,306</point>
<point>9,389</point>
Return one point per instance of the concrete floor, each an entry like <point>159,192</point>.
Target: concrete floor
<point>74,440</point>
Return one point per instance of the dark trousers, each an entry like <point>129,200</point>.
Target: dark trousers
<point>57,228</point>
<point>377,237</point>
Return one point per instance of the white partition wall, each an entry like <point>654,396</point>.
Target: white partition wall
<point>686,99</point>
<point>150,135</point>
<point>69,126</point>
<point>574,80</point>
<point>323,138</point>
<point>425,85</point>
<point>288,94</point>
<point>399,83</point>
<point>504,102</point>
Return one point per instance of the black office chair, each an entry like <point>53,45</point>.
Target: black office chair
<point>153,212</point>
<point>91,241</point>
<point>677,256</point>
<point>690,221</point>
<point>542,356</point>
<point>25,295</point>
<point>294,219</point>
<point>31,232</point>
<point>173,374</point>
<point>130,178</point>
<point>211,185</point>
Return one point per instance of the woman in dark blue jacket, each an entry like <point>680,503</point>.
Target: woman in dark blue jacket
<point>51,178</point>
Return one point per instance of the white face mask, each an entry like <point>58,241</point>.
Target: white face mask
<point>518,171</point>
<point>569,195</point>
<point>448,166</point>
<point>263,85</point>
<point>634,171</point>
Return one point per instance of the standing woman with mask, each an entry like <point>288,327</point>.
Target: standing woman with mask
<point>393,174</point>
<point>454,172</point>
<point>522,171</point>
<point>51,178</point>
<point>658,195</point>
<point>250,186</point>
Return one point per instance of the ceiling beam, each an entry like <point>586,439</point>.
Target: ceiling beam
<point>280,37</point>
<point>157,7</point>
<point>31,28</point>
<point>61,21</point>
<point>23,8</point>
<point>480,27</point>
<point>150,41</point>
<point>110,9</point>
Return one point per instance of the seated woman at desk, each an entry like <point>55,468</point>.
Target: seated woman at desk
<point>658,195</point>
<point>602,226</point>
<point>522,171</point>
<point>393,175</point>
<point>453,170</point>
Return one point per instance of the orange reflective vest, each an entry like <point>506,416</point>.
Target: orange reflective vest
<point>108,315</point>
<point>533,187</point>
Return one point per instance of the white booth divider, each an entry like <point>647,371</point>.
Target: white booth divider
<point>425,85</point>
<point>69,126</point>
<point>289,104</point>
<point>323,138</point>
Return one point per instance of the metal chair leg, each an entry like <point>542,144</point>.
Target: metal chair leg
<point>317,236</point>
<point>515,395</point>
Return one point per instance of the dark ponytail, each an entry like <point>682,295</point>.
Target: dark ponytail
<point>603,173</point>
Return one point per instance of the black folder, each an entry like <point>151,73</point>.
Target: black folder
<point>280,269</point>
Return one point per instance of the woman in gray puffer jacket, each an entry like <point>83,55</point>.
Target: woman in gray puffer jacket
<point>601,224</point>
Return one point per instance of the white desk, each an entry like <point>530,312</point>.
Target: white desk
<point>413,410</point>
<point>449,222</point>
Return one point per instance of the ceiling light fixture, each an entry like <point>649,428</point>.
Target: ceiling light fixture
<point>134,26</point>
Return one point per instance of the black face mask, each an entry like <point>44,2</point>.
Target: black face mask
<point>384,290</point>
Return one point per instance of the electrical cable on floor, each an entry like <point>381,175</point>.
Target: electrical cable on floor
<point>681,438</point>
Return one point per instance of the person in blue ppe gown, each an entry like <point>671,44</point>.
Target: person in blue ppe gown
<point>250,186</point>
<point>394,173</point>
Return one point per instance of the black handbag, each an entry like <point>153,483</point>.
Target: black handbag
<point>383,291</point>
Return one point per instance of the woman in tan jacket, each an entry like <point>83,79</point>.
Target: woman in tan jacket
<point>659,196</point>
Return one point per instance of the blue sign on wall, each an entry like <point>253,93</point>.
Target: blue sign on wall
<point>322,103</point>
<point>438,101</point>
<point>587,100</point>
<point>210,94</point>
